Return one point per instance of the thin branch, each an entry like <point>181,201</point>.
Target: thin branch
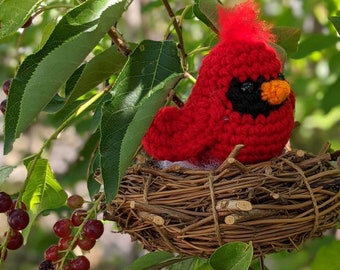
<point>178,30</point>
<point>118,39</point>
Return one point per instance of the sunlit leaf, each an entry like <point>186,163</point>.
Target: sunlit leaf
<point>335,20</point>
<point>232,256</point>
<point>41,74</point>
<point>42,191</point>
<point>140,90</point>
<point>14,13</point>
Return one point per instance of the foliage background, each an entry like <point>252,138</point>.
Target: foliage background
<point>313,71</point>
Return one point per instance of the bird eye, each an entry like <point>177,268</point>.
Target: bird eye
<point>247,87</point>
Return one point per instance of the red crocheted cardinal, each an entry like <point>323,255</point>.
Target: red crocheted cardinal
<point>240,97</point>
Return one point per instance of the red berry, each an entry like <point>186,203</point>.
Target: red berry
<point>15,241</point>
<point>93,229</point>
<point>80,263</point>
<point>5,202</point>
<point>52,253</point>
<point>46,265</point>
<point>78,216</point>
<point>3,106</point>
<point>75,201</point>
<point>85,243</point>
<point>18,219</point>
<point>27,23</point>
<point>63,227</point>
<point>6,85</point>
<point>64,243</point>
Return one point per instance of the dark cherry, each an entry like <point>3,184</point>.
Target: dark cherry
<point>52,253</point>
<point>28,22</point>
<point>63,227</point>
<point>6,85</point>
<point>46,265</point>
<point>15,240</point>
<point>18,219</point>
<point>78,216</point>
<point>93,229</point>
<point>75,201</point>
<point>85,243</point>
<point>64,243</point>
<point>3,106</point>
<point>80,263</point>
<point>5,202</point>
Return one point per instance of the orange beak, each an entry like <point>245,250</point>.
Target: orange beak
<point>275,91</point>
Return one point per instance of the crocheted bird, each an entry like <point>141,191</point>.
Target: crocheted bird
<point>240,97</point>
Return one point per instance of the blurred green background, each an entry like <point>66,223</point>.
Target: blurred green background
<point>313,71</point>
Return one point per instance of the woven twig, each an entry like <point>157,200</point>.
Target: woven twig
<point>276,205</point>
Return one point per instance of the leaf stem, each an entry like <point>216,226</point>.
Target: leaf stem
<point>178,30</point>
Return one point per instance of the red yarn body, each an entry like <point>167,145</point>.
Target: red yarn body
<point>207,127</point>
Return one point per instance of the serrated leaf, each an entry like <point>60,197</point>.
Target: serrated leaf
<point>41,74</point>
<point>206,11</point>
<point>150,260</point>
<point>5,171</point>
<point>331,97</point>
<point>287,37</point>
<point>232,256</point>
<point>191,263</point>
<point>315,42</point>
<point>14,13</point>
<point>335,20</point>
<point>42,191</point>
<point>94,72</point>
<point>154,66</point>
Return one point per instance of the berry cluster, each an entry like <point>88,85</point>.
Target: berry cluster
<point>17,218</point>
<point>81,230</point>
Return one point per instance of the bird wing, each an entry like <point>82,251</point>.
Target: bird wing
<point>181,133</point>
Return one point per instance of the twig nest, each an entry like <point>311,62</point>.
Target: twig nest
<point>276,205</point>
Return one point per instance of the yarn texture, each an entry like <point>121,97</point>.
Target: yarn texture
<point>240,97</point>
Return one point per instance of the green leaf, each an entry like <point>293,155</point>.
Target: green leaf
<point>288,38</point>
<point>14,13</point>
<point>316,42</point>
<point>232,256</point>
<point>335,20</point>
<point>42,191</point>
<point>204,266</point>
<point>77,33</point>
<point>140,90</point>
<point>331,97</point>
<point>150,260</point>
<point>191,263</point>
<point>5,171</point>
<point>206,11</point>
<point>327,257</point>
<point>99,68</point>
